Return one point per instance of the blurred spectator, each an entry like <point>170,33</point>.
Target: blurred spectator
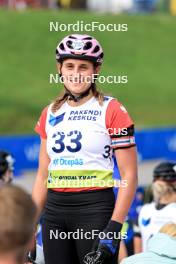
<point>22,4</point>
<point>145,6</point>
<point>163,209</point>
<point>173,7</point>
<point>6,167</point>
<point>17,219</point>
<point>75,4</point>
<point>129,246</point>
<point>78,4</point>
<point>112,6</point>
<point>160,249</point>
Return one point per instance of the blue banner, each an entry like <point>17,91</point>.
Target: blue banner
<point>151,144</point>
<point>157,143</point>
<point>25,150</point>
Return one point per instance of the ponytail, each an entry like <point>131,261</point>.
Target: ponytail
<point>59,101</point>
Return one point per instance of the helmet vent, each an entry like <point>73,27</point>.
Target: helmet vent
<point>69,44</point>
<point>61,46</point>
<point>101,55</point>
<point>87,45</point>
<point>72,37</point>
<point>87,38</point>
<point>96,49</point>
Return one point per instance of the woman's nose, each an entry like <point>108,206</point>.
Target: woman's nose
<point>76,71</point>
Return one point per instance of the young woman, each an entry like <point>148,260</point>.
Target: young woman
<point>79,132</point>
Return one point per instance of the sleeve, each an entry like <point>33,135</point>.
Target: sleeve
<point>41,124</point>
<point>119,125</point>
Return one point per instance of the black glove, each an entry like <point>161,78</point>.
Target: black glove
<point>106,245</point>
<point>94,257</point>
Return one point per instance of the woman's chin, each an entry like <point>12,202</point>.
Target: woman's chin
<point>77,89</point>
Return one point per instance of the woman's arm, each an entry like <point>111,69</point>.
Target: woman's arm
<point>122,252</point>
<point>127,164</point>
<point>39,192</point>
<point>137,244</point>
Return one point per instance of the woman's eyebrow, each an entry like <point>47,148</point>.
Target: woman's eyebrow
<point>69,64</point>
<point>72,64</point>
<point>83,64</point>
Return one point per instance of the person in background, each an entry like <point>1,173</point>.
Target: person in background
<point>162,210</point>
<point>160,249</point>
<point>132,244</point>
<point>145,6</point>
<point>17,222</point>
<point>6,177</point>
<point>6,167</point>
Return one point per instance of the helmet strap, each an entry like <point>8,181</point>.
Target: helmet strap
<point>80,96</point>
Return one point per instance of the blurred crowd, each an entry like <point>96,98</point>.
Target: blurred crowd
<point>111,6</point>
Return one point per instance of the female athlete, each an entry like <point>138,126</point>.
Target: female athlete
<point>74,184</point>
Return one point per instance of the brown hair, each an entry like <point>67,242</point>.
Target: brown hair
<point>163,189</point>
<point>17,220</point>
<point>61,99</point>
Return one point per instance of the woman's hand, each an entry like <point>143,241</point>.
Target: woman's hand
<point>31,255</point>
<point>104,249</point>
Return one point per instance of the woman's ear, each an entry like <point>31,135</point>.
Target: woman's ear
<point>97,69</point>
<point>59,67</point>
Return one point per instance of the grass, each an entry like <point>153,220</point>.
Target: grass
<point>146,53</point>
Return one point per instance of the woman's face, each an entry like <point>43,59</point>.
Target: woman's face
<point>77,74</point>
